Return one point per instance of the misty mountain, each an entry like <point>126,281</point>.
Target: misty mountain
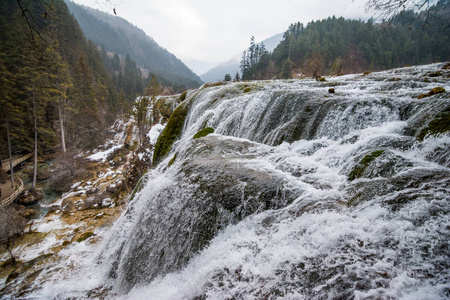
<point>232,66</point>
<point>119,36</point>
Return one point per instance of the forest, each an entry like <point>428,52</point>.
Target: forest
<point>118,36</point>
<point>56,86</point>
<point>337,46</point>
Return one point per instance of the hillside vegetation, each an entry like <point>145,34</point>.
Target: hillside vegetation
<point>335,46</point>
<point>52,80</point>
<point>116,35</point>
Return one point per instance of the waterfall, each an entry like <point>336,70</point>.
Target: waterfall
<point>298,194</point>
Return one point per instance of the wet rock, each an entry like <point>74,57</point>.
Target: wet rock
<point>114,191</point>
<point>29,213</point>
<point>403,188</point>
<point>223,191</point>
<point>22,270</point>
<point>85,236</point>
<point>31,196</point>
<point>436,90</point>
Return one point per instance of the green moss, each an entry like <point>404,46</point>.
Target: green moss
<point>183,96</point>
<point>434,74</point>
<point>248,89</point>
<point>207,85</point>
<point>173,159</point>
<point>138,187</point>
<point>85,236</point>
<point>322,79</point>
<point>436,90</point>
<point>359,169</point>
<point>171,133</point>
<point>22,268</point>
<point>204,132</point>
<point>440,124</point>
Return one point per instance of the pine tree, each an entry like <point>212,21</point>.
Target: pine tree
<point>5,103</point>
<point>245,65</point>
<point>60,83</point>
<point>140,114</point>
<point>37,90</point>
<point>286,69</point>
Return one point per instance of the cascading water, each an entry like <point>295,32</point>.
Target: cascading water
<point>298,194</point>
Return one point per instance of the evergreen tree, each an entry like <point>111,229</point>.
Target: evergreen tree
<point>59,85</point>
<point>227,77</point>
<point>286,69</point>
<point>7,109</point>
<point>245,64</point>
<point>141,106</point>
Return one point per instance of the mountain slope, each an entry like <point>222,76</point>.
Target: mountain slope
<point>119,36</point>
<point>232,66</point>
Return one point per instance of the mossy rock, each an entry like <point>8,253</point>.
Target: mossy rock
<point>366,73</point>
<point>203,132</point>
<point>207,85</point>
<point>171,162</point>
<point>183,96</point>
<point>85,236</point>
<point>439,124</point>
<point>171,133</point>
<point>322,79</point>
<point>139,186</point>
<point>247,89</point>
<point>23,268</point>
<point>434,74</point>
<point>436,90</point>
<point>359,169</point>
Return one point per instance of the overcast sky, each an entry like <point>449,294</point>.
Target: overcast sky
<point>213,31</point>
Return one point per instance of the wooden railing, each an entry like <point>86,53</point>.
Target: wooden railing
<point>6,165</point>
<point>14,195</point>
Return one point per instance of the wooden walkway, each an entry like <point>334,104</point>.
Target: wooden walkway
<point>6,164</point>
<point>9,194</point>
<point>6,189</point>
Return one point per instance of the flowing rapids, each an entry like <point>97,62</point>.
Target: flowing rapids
<point>298,194</point>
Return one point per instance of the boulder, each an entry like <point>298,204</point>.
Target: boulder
<point>436,90</point>
<point>31,196</point>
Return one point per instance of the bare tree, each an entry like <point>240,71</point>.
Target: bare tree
<point>12,226</point>
<point>316,64</point>
<point>388,9</point>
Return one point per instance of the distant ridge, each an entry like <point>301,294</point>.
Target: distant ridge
<point>232,66</point>
<point>119,36</point>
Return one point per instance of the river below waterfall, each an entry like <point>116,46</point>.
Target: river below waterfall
<point>300,193</point>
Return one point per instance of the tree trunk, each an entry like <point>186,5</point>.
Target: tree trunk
<point>11,169</point>
<point>61,125</point>
<point>33,186</point>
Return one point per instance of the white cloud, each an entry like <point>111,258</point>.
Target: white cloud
<point>213,31</point>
